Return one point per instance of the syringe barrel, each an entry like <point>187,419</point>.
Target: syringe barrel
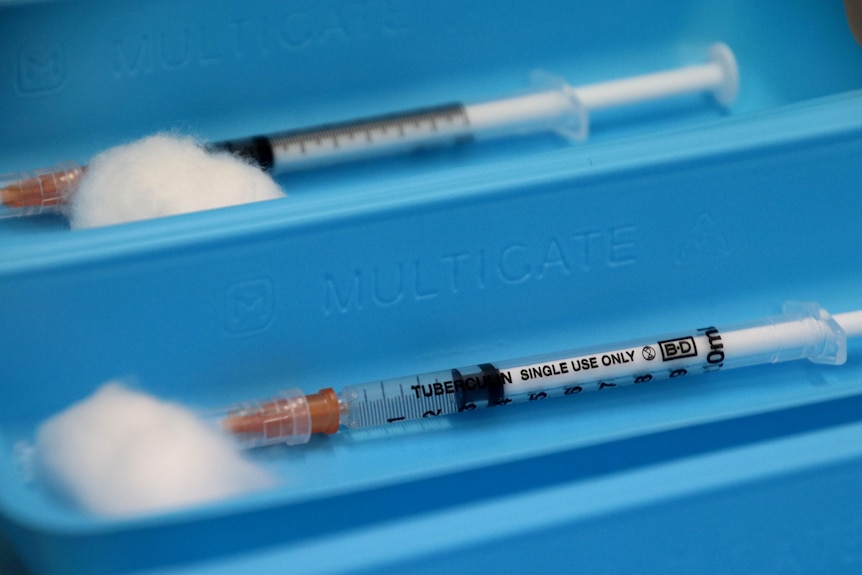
<point>553,110</point>
<point>363,139</point>
<point>803,331</point>
<point>420,396</point>
<point>42,191</point>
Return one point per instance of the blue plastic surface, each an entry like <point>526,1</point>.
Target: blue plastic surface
<point>673,215</point>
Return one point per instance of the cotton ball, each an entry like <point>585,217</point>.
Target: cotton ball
<point>122,451</point>
<point>163,175</point>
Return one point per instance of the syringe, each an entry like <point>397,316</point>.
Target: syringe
<point>559,108</point>
<point>803,331</point>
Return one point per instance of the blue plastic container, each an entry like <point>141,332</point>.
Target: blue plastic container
<point>671,216</point>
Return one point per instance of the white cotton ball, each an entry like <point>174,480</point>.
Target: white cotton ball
<point>122,451</point>
<point>163,175</point>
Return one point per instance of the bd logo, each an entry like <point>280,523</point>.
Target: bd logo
<point>249,306</point>
<point>677,348</point>
<point>41,68</point>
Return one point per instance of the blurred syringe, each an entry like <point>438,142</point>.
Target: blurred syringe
<point>563,109</point>
<point>803,331</point>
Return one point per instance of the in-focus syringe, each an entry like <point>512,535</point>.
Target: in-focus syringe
<point>803,331</point>
<point>560,108</point>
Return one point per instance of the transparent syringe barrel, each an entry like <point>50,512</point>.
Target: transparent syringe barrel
<point>369,138</point>
<point>555,109</point>
<point>399,399</point>
<point>804,331</point>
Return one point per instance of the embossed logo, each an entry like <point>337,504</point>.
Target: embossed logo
<point>178,44</point>
<point>703,241</point>
<point>451,273</point>
<point>249,306</point>
<point>41,68</point>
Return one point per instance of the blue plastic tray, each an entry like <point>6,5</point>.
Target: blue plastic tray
<point>671,216</point>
